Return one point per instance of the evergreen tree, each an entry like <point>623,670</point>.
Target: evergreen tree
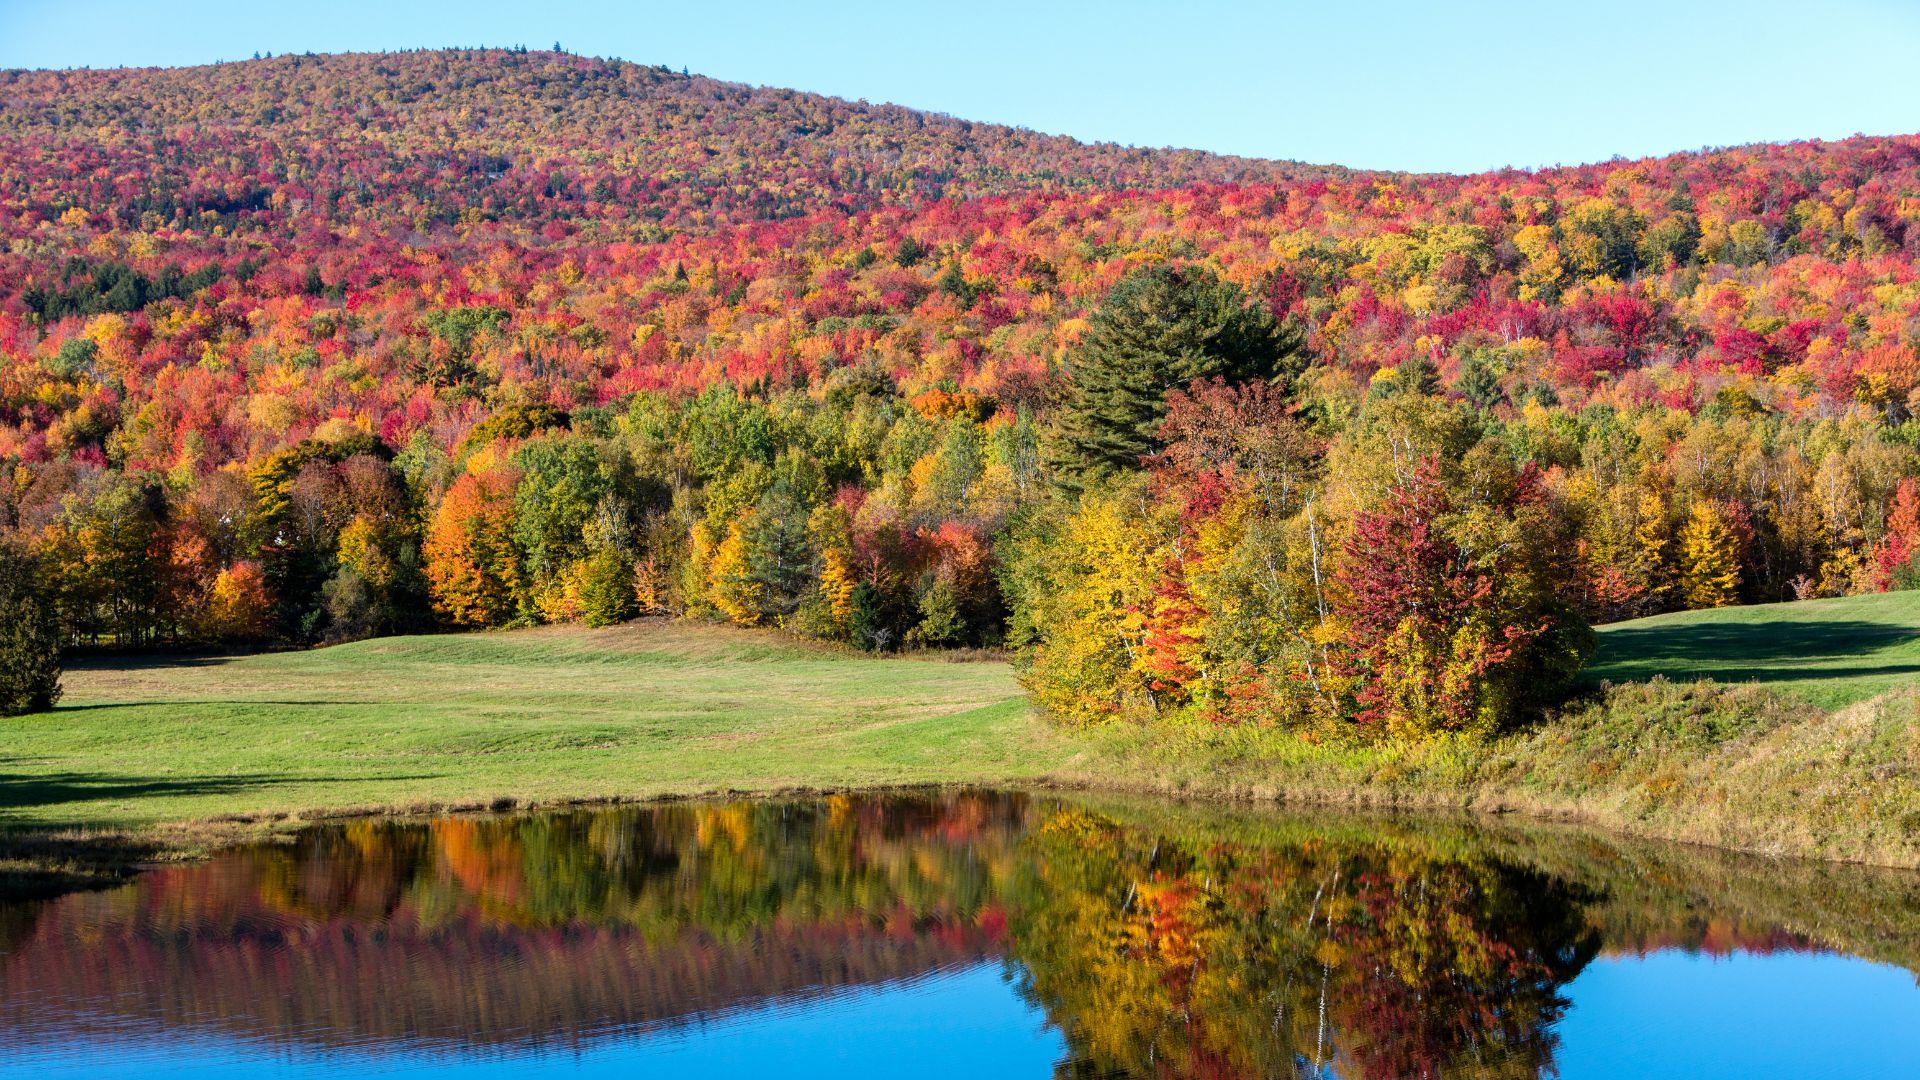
<point>1158,330</point>
<point>763,569</point>
<point>29,637</point>
<point>778,555</point>
<point>1479,383</point>
<point>869,626</point>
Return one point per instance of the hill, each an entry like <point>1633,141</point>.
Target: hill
<point>534,137</point>
<point>309,349</point>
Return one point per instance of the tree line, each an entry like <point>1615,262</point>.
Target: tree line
<point>1194,522</point>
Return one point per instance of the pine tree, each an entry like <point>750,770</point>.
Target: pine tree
<point>763,569</point>
<point>778,554</point>
<point>29,637</point>
<point>1479,383</point>
<point>1158,330</point>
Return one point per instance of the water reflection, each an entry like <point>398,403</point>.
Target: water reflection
<point>1015,933</point>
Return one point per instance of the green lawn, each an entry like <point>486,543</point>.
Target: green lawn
<point>161,750</point>
<point>1830,653</point>
<point>534,715</point>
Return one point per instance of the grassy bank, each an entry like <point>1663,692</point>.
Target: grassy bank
<point>1808,744</point>
<point>1737,767</point>
<point>1780,729</point>
<point>1644,892</point>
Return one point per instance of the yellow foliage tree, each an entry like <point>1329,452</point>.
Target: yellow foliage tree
<point>1647,566</point>
<point>361,552</point>
<point>837,583</point>
<point>239,606</point>
<point>733,587</point>
<point>1709,557</point>
<point>1091,662</point>
<point>651,591</point>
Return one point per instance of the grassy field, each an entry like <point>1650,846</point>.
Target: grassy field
<point>1829,653</point>
<point>1806,741</point>
<point>529,716</point>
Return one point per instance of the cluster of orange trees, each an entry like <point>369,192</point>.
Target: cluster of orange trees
<point>318,347</point>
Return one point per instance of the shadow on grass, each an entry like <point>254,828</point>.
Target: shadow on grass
<point>1736,645</point>
<point>112,661</point>
<point>42,855</point>
<point>25,791</point>
<point>222,702</point>
<point>19,792</point>
<point>1733,676</point>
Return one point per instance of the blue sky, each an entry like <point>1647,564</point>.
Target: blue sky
<point>1389,84</point>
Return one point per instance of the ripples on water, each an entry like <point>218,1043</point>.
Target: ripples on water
<point>971,934</point>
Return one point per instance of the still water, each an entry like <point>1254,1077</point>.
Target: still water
<point>976,934</point>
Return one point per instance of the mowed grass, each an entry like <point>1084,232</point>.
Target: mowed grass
<point>1805,741</point>
<point>532,716</point>
<point>1828,653</point>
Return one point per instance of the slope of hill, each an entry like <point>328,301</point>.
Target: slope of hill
<point>318,211</point>
<point>531,137</point>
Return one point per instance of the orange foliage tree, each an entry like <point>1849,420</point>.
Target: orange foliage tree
<point>472,565</point>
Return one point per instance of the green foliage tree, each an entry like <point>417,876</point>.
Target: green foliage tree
<point>1159,329</point>
<point>29,636</point>
<point>606,589</point>
<point>940,622</point>
<point>519,421</point>
<point>455,333</point>
<point>563,481</point>
<point>1671,241</point>
<point>75,357</point>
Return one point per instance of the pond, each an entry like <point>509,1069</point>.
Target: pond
<point>994,934</point>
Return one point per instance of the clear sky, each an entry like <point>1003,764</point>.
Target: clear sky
<point>1389,84</point>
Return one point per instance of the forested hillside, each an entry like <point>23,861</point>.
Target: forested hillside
<point>310,348</point>
<point>520,140</point>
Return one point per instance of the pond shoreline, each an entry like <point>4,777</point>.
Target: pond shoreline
<point>36,864</point>
<point>232,749</point>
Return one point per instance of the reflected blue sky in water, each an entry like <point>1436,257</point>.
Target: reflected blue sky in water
<point>1669,1014</point>
<point>1674,1014</point>
<point>963,1023</point>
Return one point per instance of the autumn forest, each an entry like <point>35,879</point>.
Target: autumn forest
<point>314,348</point>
